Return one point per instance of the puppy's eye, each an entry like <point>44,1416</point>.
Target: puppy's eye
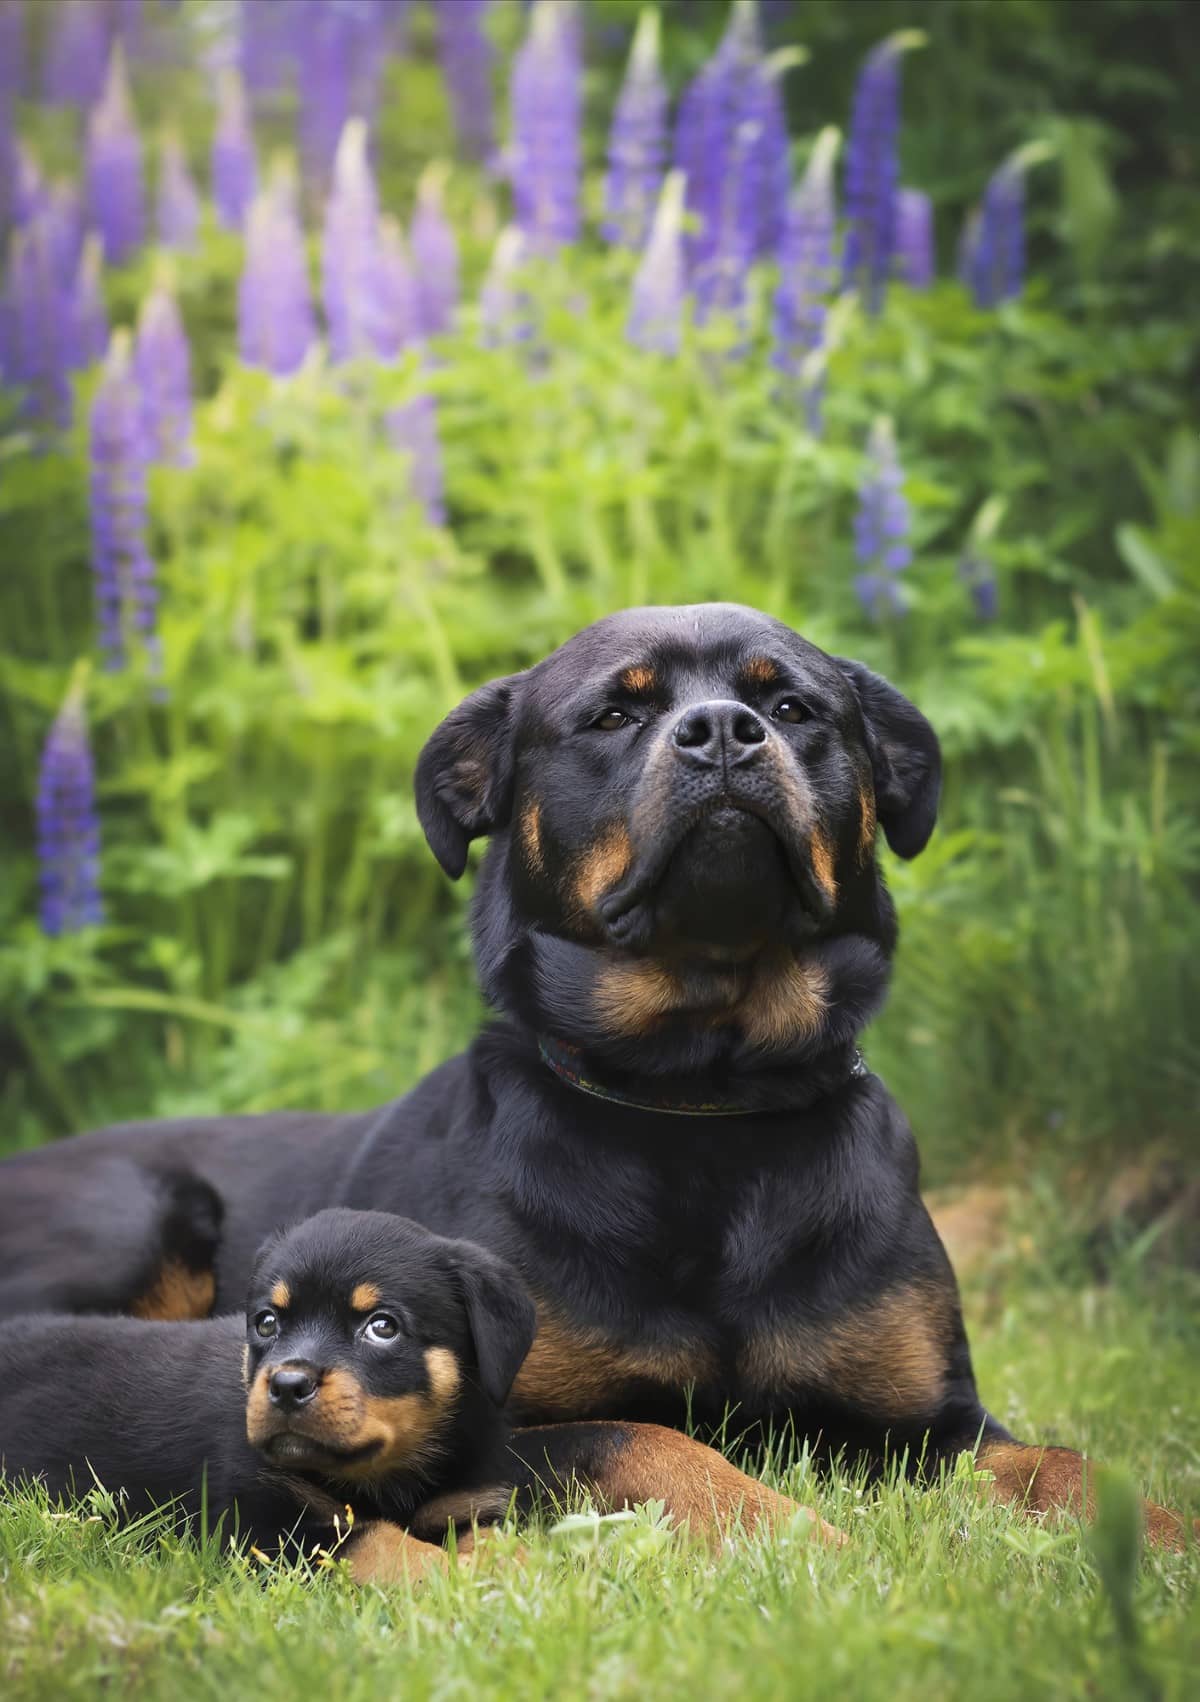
<point>611,721</point>
<point>791,709</point>
<point>381,1328</point>
<point>266,1325</point>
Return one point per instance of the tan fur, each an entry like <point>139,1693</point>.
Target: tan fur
<point>1046,1480</point>
<point>531,836</point>
<point>381,1553</point>
<point>866,832</point>
<point>630,996</point>
<point>638,679</point>
<point>364,1297</point>
<point>570,1370</point>
<point>889,1357</point>
<point>281,1296</point>
<point>821,855</point>
<point>601,867</point>
<point>784,1004</point>
<point>761,670</point>
<point>176,1294</point>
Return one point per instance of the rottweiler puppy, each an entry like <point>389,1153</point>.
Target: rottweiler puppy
<point>669,1130</point>
<point>368,1374</point>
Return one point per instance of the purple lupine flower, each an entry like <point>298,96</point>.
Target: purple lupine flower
<point>546,108</point>
<point>129,22</point>
<point>29,188</point>
<point>435,257</point>
<point>660,283</point>
<point>350,251</point>
<point>979,577</point>
<point>637,144</point>
<point>267,43</point>
<point>806,279</point>
<point>397,295</point>
<point>88,313</point>
<point>114,167</point>
<point>993,256</point>
<point>68,826</point>
<point>503,304</point>
<point>881,525</point>
<point>123,573</point>
<point>76,60</point>
<point>914,238</point>
<point>467,56</point>
<point>39,355</point>
<point>8,161</point>
<point>413,430</point>
<point>162,365</point>
<point>63,217</point>
<point>873,169</point>
<point>234,162</point>
<point>340,52</point>
<point>276,326</point>
<point>12,47</point>
<point>178,197</point>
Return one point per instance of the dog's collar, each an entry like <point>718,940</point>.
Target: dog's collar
<point>568,1065</point>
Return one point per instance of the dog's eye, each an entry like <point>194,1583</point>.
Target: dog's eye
<point>381,1328</point>
<point>611,721</point>
<point>266,1325</point>
<point>791,709</point>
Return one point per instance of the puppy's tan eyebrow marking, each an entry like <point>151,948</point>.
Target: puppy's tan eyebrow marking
<point>281,1296</point>
<point>638,678</point>
<point>364,1297</point>
<point>761,670</point>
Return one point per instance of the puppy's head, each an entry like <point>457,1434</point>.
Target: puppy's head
<point>694,787</point>
<point>367,1338</point>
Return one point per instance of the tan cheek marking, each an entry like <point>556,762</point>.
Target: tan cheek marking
<point>176,1294</point>
<point>866,832</point>
<point>441,1368</point>
<point>531,837</point>
<point>785,1006</point>
<point>630,998</point>
<point>245,1365</point>
<point>364,1297</point>
<point>281,1296</point>
<point>821,853</point>
<point>258,1406</point>
<point>570,1372</point>
<point>889,1357</point>
<point>761,670</point>
<point>600,868</point>
<point>640,678</point>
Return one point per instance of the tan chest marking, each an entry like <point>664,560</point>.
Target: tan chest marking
<point>776,1004</point>
<point>570,1372</point>
<point>888,1357</point>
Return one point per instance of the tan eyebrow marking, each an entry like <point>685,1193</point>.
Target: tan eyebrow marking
<point>281,1296</point>
<point>761,670</point>
<point>638,678</point>
<point>364,1298</point>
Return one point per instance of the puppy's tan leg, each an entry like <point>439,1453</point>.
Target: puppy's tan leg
<point>382,1553</point>
<point>1047,1480</point>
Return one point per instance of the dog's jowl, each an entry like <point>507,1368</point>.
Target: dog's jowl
<point>668,1130</point>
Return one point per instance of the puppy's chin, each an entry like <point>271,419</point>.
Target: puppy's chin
<point>727,890</point>
<point>294,1450</point>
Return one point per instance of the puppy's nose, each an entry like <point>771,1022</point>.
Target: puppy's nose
<point>292,1385</point>
<point>711,734</point>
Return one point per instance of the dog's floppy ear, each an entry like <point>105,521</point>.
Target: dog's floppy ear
<point>501,1315</point>
<point>905,758</point>
<point>464,774</point>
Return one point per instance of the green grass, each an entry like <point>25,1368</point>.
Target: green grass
<point>936,1594</point>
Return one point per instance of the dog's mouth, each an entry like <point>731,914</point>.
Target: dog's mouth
<point>300,1450</point>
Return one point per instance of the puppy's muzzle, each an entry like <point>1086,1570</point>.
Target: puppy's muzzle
<point>293,1386</point>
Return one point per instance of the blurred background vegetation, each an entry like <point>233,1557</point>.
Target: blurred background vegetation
<point>276,933</point>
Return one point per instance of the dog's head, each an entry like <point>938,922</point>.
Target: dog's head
<point>367,1337</point>
<point>690,795</point>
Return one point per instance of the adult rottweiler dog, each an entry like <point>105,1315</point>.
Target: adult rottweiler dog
<point>670,1131</point>
<point>365,1382</point>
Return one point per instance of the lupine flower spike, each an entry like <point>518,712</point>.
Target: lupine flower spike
<point>466,54</point>
<point>276,326</point>
<point>350,251</point>
<point>126,592</point>
<point>114,167</point>
<point>881,526</point>
<point>163,366</point>
<point>413,430</point>
<point>873,169</point>
<point>637,144</point>
<point>546,109</point>
<point>38,357</point>
<point>89,315</point>
<point>77,52</point>
<point>435,255</point>
<point>806,280</point>
<point>992,257</point>
<point>178,198</point>
<point>68,826</point>
<point>503,305</point>
<point>660,283</point>
<point>398,302</point>
<point>234,163</point>
<point>914,238</point>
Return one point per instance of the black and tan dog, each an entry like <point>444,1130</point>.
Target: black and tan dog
<point>368,1374</point>
<point>669,1132</point>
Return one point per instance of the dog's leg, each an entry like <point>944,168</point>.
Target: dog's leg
<point>382,1553</point>
<point>621,1464</point>
<point>1048,1480</point>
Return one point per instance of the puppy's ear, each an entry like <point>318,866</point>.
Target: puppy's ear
<point>906,760</point>
<point>501,1315</point>
<point>465,773</point>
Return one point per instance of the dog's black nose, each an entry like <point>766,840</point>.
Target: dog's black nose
<point>292,1385</point>
<point>709,734</point>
